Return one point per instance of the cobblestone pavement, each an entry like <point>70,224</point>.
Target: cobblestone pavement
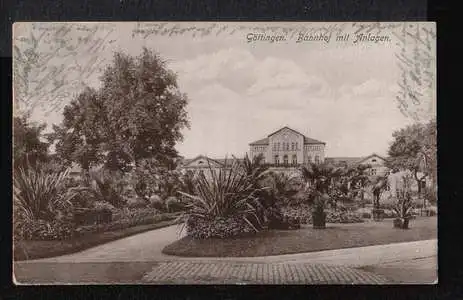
<point>182,272</point>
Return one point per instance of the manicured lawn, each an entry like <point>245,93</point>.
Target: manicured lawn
<point>306,239</point>
<point>25,250</point>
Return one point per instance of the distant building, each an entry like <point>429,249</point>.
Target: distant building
<point>376,162</point>
<point>287,147</point>
<point>202,162</point>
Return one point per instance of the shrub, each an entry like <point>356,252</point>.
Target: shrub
<point>430,194</point>
<point>173,204</point>
<point>364,212</point>
<point>38,195</point>
<point>136,203</point>
<point>389,213</point>
<point>108,187</point>
<point>225,194</point>
<point>45,230</point>
<point>126,218</point>
<point>343,217</point>
<point>275,219</point>
<point>89,216</point>
<point>303,215</point>
<point>219,227</point>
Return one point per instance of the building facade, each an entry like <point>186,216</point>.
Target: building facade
<point>376,163</point>
<point>288,147</point>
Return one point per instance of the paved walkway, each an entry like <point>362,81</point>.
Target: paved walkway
<point>183,272</point>
<point>138,259</point>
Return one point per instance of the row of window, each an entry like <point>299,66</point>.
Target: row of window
<point>313,148</point>
<point>259,148</point>
<point>317,159</point>
<point>285,146</point>
<point>285,159</point>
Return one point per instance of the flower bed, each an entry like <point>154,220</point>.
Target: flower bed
<point>218,228</point>
<point>42,230</point>
<point>304,215</point>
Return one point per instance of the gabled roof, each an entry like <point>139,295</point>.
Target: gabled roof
<point>260,142</point>
<point>348,160</point>
<point>308,140</point>
<point>370,156</point>
<point>220,161</point>
<point>189,161</point>
<point>265,141</point>
<point>352,160</point>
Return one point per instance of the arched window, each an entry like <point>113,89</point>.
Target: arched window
<point>292,146</point>
<point>277,160</point>
<point>285,159</point>
<point>309,159</point>
<point>317,159</point>
<point>294,159</point>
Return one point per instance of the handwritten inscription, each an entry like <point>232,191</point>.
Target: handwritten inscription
<point>416,60</point>
<point>46,64</point>
<point>53,61</point>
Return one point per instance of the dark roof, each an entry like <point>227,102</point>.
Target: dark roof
<point>260,142</point>
<point>371,155</point>
<point>220,161</point>
<point>351,160</point>
<point>307,140</point>
<point>347,160</point>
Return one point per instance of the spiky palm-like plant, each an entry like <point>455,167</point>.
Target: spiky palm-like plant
<point>320,181</point>
<point>38,194</point>
<point>222,193</point>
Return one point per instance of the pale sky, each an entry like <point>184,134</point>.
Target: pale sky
<point>239,92</point>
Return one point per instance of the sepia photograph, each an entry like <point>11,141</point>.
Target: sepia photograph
<point>205,153</point>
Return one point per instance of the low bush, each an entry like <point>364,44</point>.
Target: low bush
<point>303,215</point>
<point>343,217</point>
<point>125,219</point>
<point>90,216</point>
<point>364,212</point>
<point>220,227</point>
<point>42,230</point>
<point>173,204</point>
<point>389,213</point>
<point>137,203</point>
<point>275,219</point>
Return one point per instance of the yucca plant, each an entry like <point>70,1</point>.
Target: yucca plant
<point>255,169</point>
<point>404,205</point>
<point>38,194</point>
<point>224,193</point>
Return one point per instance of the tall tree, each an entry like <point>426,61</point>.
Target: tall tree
<point>28,148</point>
<point>414,148</point>
<point>80,135</point>
<point>137,113</point>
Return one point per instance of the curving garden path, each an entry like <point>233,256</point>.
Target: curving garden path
<point>139,259</point>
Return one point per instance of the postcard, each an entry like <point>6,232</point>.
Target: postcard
<point>224,153</point>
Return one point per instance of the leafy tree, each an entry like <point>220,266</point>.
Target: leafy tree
<point>414,148</point>
<point>28,148</point>
<point>79,137</point>
<point>137,113</point>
